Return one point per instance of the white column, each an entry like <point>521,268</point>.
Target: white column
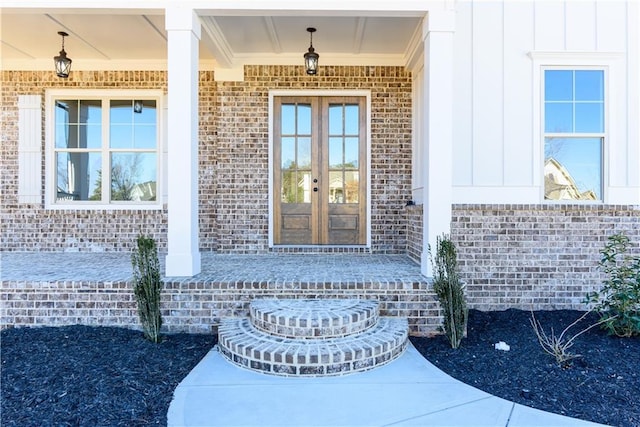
<point>183,31</point>
<point>437,135</point>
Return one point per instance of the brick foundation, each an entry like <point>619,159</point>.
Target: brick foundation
<point>535,256</point>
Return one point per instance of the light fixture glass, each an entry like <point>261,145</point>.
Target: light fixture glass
<point>311,57</point>
<point>61,62</point>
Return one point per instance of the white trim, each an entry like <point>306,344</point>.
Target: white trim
<point>320,93</point>
<point>611,64</point>
<point>105,95</point>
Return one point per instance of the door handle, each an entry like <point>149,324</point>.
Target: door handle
<point>315,180</point>
<point>315,189</point>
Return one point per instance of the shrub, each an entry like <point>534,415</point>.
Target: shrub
<point>618,301</point>
<point>558,345</point>
<point>449,289</point>
<point>147,286</point>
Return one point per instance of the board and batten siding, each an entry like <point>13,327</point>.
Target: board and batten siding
<point>500,48</point>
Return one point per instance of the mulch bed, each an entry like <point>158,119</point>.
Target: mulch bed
<point>601,386</point>
<point>92,376</point>
<point>102,376</point>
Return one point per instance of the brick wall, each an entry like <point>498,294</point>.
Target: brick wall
<point>29,227</point>
<point>414,214</point>
<point>242,150</point>
<point>233,152</point>
<point>540,256</point>
<point>192,306</point>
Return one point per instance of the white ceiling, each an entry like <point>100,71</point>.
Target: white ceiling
<point>99,40</point>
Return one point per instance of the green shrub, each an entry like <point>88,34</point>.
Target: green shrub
<point>147,286</point>
<point>449,289</point>
<point>618,301</point>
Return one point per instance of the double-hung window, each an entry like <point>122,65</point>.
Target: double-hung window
<point>105,149</point>
<point>574,133</point>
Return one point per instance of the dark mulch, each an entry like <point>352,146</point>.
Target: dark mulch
<point>92,376</point>
<point>601,386</point>
<point>99,376</point>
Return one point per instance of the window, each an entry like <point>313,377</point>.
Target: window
<point>574,133</point>
<point>94,134</point>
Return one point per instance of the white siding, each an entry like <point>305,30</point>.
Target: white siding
<point>549,26</point>
<point>580,31</point>
<point>463,89</point>
<point>488,69</point>
<point>519,145</point>
<point>500,47</point>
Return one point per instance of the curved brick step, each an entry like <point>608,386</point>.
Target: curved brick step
<point>308,318</point>
<point>241,343</point>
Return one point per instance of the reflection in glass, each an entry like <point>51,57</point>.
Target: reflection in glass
<point>335,120</point>
<point>121,136</point>
<point>589,117</point>
<point>351,146</point>
<point>572,168</point>
<point>78,176</point>
<point>288,152</point>
<point>121,111</point>
<point>145,112</point>
<point>133,176</point>
<point>589,85</point>
<point>336,187</point>
<point>304,120</point>
<point>574,111</point>
<point>132,124</point>
<point>296,186</point>
<point>351,120</point>
<point>78,124</point>
<point>304,153</point>
<point>351,184</point>
<point>288,121</point>
<point>558,85</point>
<point>558,117</point>
<point>336,159</point>
<point>295,151</point>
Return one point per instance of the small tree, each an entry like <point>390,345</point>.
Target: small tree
<point>449,289</point>
<point>618,301</point>
<point>147,286</point>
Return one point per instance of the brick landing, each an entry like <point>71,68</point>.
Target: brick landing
<point>49,288</point>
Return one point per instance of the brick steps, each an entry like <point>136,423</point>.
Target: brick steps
<point>287,342</point>
<point>313,318</point>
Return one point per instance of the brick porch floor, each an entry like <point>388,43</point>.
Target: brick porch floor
<point>48,288</point>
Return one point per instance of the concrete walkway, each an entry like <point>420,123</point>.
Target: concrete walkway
<point>409,391</point>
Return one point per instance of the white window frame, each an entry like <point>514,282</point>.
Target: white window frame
<point>105,95</point>
<point>610,64</point>
<point>577,135</point>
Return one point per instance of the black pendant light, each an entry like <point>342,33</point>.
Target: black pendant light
<point>311,57</point>
<point>61,62</point>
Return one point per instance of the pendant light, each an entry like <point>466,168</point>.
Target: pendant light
<point>61,62</point>
<point>311,57</point>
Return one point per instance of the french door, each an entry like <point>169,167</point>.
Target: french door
<point>319,171</point>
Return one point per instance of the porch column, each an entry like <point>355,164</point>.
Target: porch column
<point>438,29</point>
<point>183,32</point>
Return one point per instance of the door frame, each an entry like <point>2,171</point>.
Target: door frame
<point>321,93</point>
